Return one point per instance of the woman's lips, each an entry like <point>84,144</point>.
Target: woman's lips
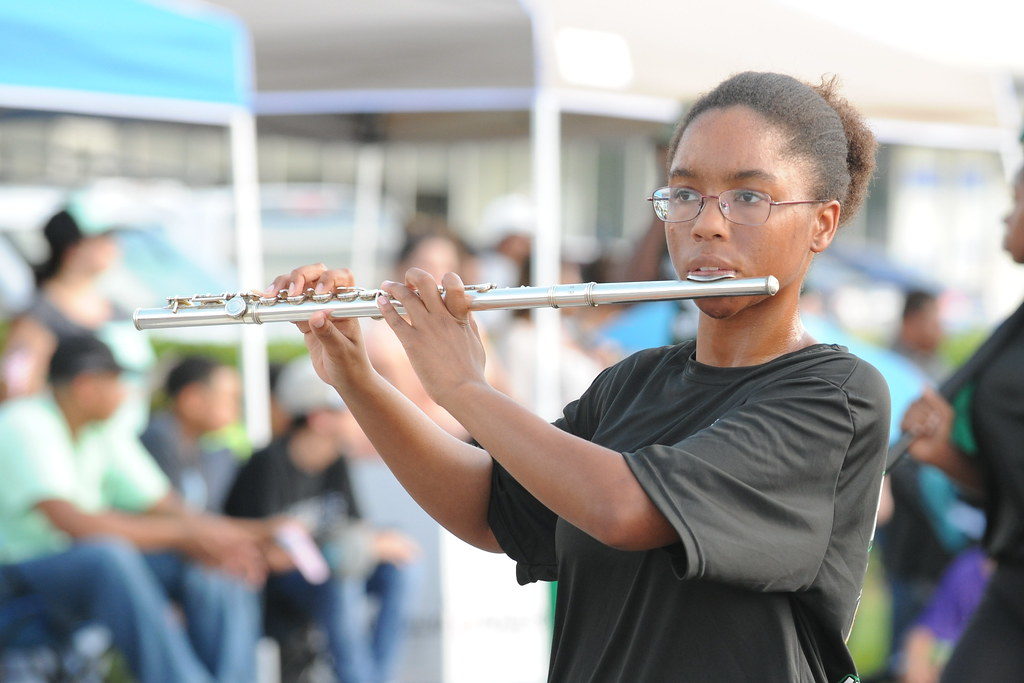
<point>708,274</point>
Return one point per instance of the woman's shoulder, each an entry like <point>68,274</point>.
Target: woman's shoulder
<point>836,365</point>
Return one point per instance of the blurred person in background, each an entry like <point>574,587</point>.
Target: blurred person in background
<point>91,525</point>
<point>938,628</point>
<point>509,222</point>
<point>707,507</point>
<point>990,465</point>
<point>69,303</point>
<point>204,397</point>
<point>436,252</point>
<point>303,475</point>
<point>921,536</point>
<point>580,357</point>
<point>920,334</point>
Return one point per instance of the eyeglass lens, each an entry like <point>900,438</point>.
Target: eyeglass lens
<point>679,204</point>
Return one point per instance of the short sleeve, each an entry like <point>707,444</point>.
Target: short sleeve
<point>133,480</point>
<point>752,496</point>
<point>523,526</point>
<point>35,460</point>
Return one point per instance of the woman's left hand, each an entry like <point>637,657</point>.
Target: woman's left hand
<point>439,334</point>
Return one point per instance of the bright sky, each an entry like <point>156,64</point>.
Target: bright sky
<point>968,32</point>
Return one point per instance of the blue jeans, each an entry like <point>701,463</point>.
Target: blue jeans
<point>109,582</point>
<point>363,651</point>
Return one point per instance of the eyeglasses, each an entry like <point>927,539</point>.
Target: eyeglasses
<point>743,207</point>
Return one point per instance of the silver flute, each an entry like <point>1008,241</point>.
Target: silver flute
<point>356,302</point>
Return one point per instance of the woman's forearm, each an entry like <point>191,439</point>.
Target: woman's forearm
<point>588,485</point>
<point>448,478</point>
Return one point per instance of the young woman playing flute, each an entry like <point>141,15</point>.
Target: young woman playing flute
<point>706,507</point>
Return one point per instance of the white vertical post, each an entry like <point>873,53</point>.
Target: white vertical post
<point>249,248</point>
<point>545,135</point>
<point>369,197</point>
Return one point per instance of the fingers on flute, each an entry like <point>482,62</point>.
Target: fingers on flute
<point>295,281</point>
<point>387,309</point>
<point>328,334</point>
<point>455,299</point>
<point>410,301</point>
<point>426,287</point>
<point>331,280</point>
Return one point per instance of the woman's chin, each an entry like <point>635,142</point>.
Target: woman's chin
<point>720,309</point>
<point>730,306</point>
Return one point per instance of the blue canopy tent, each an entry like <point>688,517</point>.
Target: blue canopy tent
<point>152,60</point>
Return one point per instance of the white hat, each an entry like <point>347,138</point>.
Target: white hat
<point>300,391</point>
<point>509,214</point>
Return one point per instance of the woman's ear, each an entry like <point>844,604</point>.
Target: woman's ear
<point>825,226</point>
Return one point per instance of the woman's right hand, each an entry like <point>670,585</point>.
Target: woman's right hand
<point>335,344</point>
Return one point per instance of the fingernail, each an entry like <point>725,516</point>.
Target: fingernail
<point>318,321</point>
<point>381,300</point>
<point>292,289</point>
<point>270,290</point>
<point>387,282</point>
<point>320,289</point>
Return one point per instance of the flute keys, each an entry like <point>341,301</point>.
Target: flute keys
<point>236,307</point>
<point>236,304</point>
<point>348,293</point>
<point>298,298</point>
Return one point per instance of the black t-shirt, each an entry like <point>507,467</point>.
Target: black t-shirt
<point>997,417</point>
<point>771,476</point>
<point>270,484</point>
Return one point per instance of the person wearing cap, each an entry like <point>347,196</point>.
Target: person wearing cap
<point>303,475</point>
<point>89,523</point>
<point>69,303</point>
<point>204,397</point>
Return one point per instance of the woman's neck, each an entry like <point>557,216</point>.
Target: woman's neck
<point>753,336</point>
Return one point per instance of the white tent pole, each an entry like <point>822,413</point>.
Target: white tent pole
<point>545,137</point>
<point>249,248</point>
<point>369,197</point>
<point>546,157</point>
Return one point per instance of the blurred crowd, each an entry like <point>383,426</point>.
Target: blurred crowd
<point>134,521</point>
<point>131,509</point>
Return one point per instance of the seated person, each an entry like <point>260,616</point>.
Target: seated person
<point>90,524</point>
<point>304,475</point>
<point>204,397</point>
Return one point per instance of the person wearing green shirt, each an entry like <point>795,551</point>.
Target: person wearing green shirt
<point>89,523</point>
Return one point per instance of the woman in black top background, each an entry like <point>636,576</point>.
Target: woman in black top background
<point>706,507</point>
<point>992,647</point>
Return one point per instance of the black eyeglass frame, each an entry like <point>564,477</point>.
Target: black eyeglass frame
<point>718,200</point>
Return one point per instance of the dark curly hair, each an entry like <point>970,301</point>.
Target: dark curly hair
<point>822,127</point>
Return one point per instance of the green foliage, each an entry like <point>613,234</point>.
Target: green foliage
<point>957,348</point>
<point>869,640</point>
<point>277,352</point>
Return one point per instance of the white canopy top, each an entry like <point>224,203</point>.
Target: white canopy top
<point>448,55</point>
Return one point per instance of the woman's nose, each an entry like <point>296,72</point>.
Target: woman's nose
<point>710,223</point>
